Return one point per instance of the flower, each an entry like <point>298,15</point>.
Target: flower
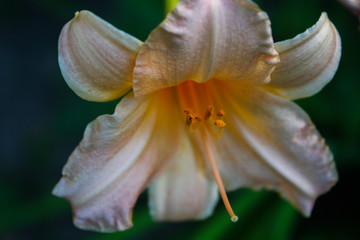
<point>209,111</point>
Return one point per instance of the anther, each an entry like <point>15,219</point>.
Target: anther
<point>220,113</point>
<point>189,119</point>
<point>197,117</point>
<point>209,112</point>
<point>77,13</point>
<point>187,111</point>
<point>219,123</point>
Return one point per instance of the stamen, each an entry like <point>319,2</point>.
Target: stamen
<point>189,119</point>
<point>211,120</point>
<point>220,113</point>
<point>197,117</point>
<point>187,110</point>
<point>218,180</point>
<point>193,120</point>
<point>209,112</point>
<point>220,123</point>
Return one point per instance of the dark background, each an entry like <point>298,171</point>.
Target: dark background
<point>42,121</point>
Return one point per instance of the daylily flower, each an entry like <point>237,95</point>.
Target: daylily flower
<point>209,111</point>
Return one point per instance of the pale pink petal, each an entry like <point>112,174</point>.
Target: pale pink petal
<point>183,192</point>
<point>205,39</point>
<point>95,58</point>
<point>116,159</point>
<point>308,61</point>
<point>270,142</point>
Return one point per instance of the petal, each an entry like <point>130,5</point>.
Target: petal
<point>308,61</point>
<point>183,192</point>
<point>205,39</point>
<point>270,142</point>
<point>116,159</point>
<point>95,58</point>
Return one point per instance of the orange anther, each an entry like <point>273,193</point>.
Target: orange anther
<point>220,123</point>
<point>197,117</point>
<point>189,119</point>
<point>209,112</point>
<point>220,113</point>
<point>187,111</point>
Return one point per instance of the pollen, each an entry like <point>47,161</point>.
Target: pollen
<point>187,111</point>
<point>220,123</point>
<point>189,119</point>
<point>220,113</point>
<point>197,117</point>
<point>214,124</point>
<point>209,112</point>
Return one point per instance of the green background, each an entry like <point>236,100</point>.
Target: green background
<point>42,121</point>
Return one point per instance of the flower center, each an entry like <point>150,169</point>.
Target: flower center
<point>214,124</point>
<point>203,117</point>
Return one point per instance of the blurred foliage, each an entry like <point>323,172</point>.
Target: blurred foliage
<point>42,121</point>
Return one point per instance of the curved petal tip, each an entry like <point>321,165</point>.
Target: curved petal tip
<point>308,61</point>
<point>95,58</point>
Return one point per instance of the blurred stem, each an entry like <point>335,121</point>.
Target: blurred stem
<point>169,5</point>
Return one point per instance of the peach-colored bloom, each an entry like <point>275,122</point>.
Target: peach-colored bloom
<point>209,110</point>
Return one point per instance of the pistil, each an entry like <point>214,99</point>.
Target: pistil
<point>218,180</point>
<point>192,120</point>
